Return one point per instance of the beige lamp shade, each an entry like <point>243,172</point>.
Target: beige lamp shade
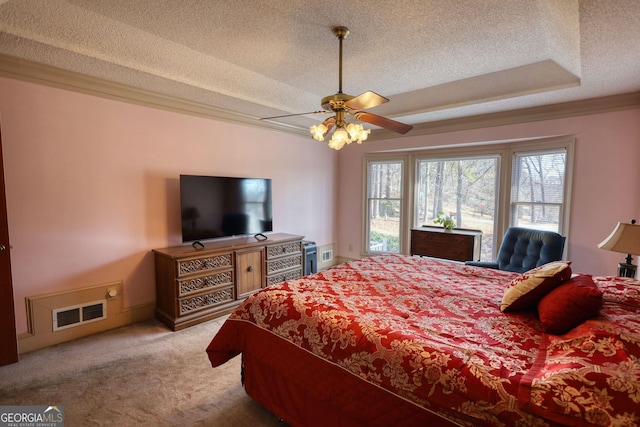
<point>625,238</point>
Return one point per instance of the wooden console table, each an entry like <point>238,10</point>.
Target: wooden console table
<point>458,244</point>
<point>195,285</point>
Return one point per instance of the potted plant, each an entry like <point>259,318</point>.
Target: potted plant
<point>445,220</point>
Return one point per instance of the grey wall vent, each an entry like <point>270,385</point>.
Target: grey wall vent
<point>68,317</point>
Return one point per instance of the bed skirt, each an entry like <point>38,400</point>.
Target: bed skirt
<point>303,390</point>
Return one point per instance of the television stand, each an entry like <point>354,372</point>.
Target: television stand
<point>195,285</point>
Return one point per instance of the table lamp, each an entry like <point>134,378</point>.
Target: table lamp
<point>624,238</point>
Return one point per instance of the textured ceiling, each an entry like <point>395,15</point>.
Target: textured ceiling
<point>434,59</point>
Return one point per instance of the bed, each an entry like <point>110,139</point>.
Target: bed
<point>405,340</point>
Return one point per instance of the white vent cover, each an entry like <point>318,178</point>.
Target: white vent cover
<point>327,255</point>
<point>76,315</point>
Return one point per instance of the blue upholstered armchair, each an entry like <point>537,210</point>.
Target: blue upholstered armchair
<point>523,249</point>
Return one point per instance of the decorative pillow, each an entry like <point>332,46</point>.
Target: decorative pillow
<point>527,290</point>
<point>570,304</point>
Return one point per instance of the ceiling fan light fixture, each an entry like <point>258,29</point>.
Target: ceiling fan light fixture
<point>318,132</point>
<point>353,132</point>
<point>357,132</point>
<point>344,105</point>
<point>364,134</point>
<point>339,138</point>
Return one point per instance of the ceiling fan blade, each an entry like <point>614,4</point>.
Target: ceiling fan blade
<point>383,122</point>
<point>365,101</point>
<point>296,114</point>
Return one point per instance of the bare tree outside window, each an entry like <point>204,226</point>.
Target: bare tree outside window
<point>537,193</point>
<point>385,206</point>
<point>464,188</point>
<point>488,189</point>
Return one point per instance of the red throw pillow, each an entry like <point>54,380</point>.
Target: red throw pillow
<point>526,290</point>
<point>570,304</point>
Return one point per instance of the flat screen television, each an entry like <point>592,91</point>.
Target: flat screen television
<point>217,206</point>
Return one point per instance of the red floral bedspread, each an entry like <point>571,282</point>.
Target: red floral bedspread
<point>432,332</point>
<point>591,375</point>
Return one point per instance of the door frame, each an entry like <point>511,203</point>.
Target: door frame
<point>8,337</point>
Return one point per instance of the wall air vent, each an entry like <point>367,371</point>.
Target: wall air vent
<point>327,255</point>
<point>77,315</point>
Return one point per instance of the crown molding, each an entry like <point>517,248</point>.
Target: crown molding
<point>21,69</point>
<point>34,72</point>
<point>584,107</point>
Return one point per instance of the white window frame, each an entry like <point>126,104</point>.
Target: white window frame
<point>451,156</point>
<point>506,152</point>
<point>404,202</point>
<point>514,204</point>
<point>543,147</point>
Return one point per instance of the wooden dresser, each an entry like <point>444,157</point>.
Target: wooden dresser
<point>195,285</point>
<point>458,244</point>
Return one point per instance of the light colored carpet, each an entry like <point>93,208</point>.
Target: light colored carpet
<point>143,375</point>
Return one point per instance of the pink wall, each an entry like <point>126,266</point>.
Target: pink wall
<point>92,185</point>
<point>606,181</point>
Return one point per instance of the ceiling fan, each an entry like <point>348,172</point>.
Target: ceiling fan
<point>344,105</point>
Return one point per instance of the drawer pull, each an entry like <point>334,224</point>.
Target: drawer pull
<point>250,269</point>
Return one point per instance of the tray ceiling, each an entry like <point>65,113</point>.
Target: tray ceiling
<point>435,60</point>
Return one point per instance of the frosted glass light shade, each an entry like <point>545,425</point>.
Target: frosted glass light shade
<point>318,132</point>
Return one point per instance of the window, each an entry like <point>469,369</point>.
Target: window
<point>463,187</point>
<point>384,205</point>
<point>537,194</point>
<point>484,188</point>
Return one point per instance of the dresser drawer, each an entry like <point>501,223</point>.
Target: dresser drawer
<point>196,284</point>
<point>282,264</point>
<point>284,276</point>
<point>205,263</point>
<point>284,249</point>
<point>207,299</point>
